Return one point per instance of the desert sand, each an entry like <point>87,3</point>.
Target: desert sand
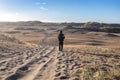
<point>32,54</point>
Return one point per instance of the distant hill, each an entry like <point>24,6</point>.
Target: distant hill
<point>95,26</point>
<point>22,23</point>
<point>28,23</point>
<point>103,27</point>
<point>89,26</point>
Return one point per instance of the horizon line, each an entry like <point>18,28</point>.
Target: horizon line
<point>62,21</point>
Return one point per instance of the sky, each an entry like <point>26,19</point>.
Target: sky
<point>107,11</point>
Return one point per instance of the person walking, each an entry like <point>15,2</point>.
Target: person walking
<point>61,38</point>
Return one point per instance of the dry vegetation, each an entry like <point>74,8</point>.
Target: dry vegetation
<point>30,52</point>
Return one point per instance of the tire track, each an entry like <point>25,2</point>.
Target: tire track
<point>30,65</point>
<point>62,66</point>
<point>48,67</point>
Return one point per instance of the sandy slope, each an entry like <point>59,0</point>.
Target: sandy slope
<point>31,66</point>
<point>46,63</point>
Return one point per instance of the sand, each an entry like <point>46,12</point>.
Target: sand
<point>34,56</point>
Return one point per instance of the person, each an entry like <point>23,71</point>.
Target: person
<point>61,38</point>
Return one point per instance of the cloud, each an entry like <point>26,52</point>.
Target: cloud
<point>42,8</point>
<point>40,3</point>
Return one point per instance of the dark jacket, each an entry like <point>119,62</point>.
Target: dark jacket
<point>61,37</point>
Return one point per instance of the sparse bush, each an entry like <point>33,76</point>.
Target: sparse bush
<point>110,29</point>
<point>113,74</point>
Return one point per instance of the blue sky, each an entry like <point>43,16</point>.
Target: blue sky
<point>60,10</point>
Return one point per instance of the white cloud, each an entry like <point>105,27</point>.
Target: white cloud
<point>42,8</point>
<point>39,3</point>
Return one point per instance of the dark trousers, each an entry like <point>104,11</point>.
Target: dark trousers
<point>60,46</point>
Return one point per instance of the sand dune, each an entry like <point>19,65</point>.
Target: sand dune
<point>47,63</point>
<point>31,55</point>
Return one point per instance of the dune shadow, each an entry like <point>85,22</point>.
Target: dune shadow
<point>19,73</point>
<point>25,68</point>
<point>96,41</point>
<point>14,77</point>
<point>96,44</point>
<point>111,35</point>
